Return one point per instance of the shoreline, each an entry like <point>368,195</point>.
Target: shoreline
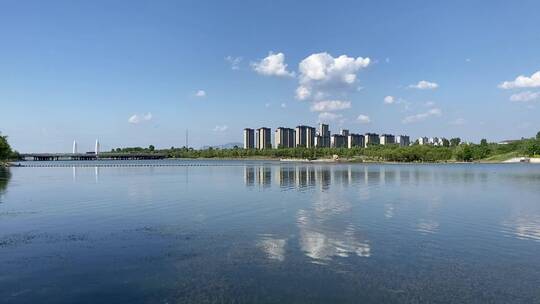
<point>325,161</point>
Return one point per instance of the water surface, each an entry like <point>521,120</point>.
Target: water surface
<point>270,232</point>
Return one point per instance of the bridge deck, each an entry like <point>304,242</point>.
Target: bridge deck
<point>90,156</point>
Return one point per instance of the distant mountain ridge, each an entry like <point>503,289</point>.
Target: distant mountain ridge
<point>224,146</point>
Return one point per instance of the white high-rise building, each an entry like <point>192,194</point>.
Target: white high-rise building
<point>355,140</point>
<point>264,138</point>
<point>403,140</point>
<point>249,138</point>
<point>284,137</point>
<point>423,141</point>
<point>371,139</point>
<point>387,139</point>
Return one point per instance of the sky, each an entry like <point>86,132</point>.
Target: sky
<point>136,73</point>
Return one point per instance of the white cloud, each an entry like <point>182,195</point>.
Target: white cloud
<point>327,116</point>
<point>422,116</point>
<point>200,93</point>
<point>302,92</point>
<point>458,122</point>
<point>222,128</point>
<point>272,65</point>
<point>234,61</point>
<point>283,105</point>
<point>522,82</point>
<point>424,85</point>
<point>429,103</point>
<point>267,105</point>
<point>363,119</point>
<point>389,100</point>
<point>321,72</point>
<point>137,119</point>
<point>525,96</point>
<point>330,105</point>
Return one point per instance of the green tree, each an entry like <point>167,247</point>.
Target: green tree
<point>5,149</point>
<point>483,142</point>
<point>532,147</point>
<point>454,142</point>
<point>151,148</point>
<point>538,135</point>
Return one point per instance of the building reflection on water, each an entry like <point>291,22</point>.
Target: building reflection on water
<point>322,176</point>
<point>326,230</point>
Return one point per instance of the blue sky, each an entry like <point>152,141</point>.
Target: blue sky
<point>135,73</point>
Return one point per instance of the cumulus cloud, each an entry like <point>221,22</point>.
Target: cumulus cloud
<point>422,116</point>
<point>327,116</point>
<point>303,92</point>
<point>363,119</point>
<point>389,100</point>
<point>525,96</point>
<point>137,119</point>
<point>272,65</point>
<point>234,61</point>
<point>222,128</point>
<point>320,72</point>
<point>200,93</point>
<point>330,105</point>
<point>424,85</point>
<point>522,82</point>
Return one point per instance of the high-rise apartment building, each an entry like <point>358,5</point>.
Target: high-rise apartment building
<point>403,140</point>
<point>305,136</point>
<point>284,138</point>
<point>344,132</point>
<point>387,139</point>
<point>355,140</point>
<point>264,139</point>
<point>249,138</point>
<point>324,133</point>
<point>338,141</point>
<point>371,139</point>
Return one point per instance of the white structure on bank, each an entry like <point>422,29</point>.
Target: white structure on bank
<point>96,148</point>
<point>75,149</point>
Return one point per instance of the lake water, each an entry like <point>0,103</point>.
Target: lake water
<point>270,232</point>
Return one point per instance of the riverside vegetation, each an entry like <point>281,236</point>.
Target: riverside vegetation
<point>452,150</point>
<point>6,153</point>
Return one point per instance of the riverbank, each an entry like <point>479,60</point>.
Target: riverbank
<point>198,162</point>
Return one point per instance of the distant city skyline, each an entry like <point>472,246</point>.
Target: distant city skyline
<point>136,73</point>
<point>321,137</point>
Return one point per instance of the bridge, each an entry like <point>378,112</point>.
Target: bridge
<point>90,156</point>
